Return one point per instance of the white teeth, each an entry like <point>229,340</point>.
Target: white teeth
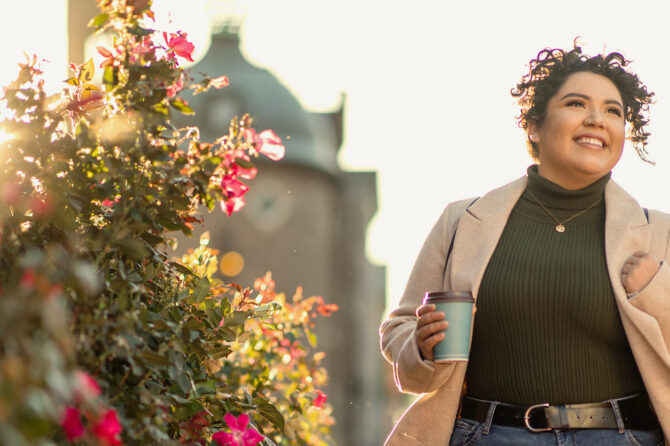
<point>594,141</point>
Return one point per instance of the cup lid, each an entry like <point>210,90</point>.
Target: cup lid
<point>448,296</point>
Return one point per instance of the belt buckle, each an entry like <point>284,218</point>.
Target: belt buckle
<point>526,418</point>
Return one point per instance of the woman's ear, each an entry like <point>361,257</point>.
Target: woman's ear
<point>534,132</point>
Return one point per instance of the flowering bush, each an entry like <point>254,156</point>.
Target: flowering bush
<point>104,339</point>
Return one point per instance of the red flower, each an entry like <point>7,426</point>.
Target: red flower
<point>108,428</point>
<point>239,434</point>
<point>87,388</point>
<point>267,143</point>
<point>72,424</point>
<point>179,45</point>
<point>320,399</point>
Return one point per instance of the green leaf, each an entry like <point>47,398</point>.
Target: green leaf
<point>206,388</point>
<point>221,351</point>
<point>110,77</point>
<point>181,268</point>
<point>184,382</point>
<point>162,109</point>
<point>180,105</point>
<point>134,249</point>
<point>154,358</point>
<point>178,399</point>
<point>153,240</point>
<point>201,290</point>
<point>270,412</point>
<point>227,334</point>
<point>139,31</point>
<point>237,319</point>
<point>99,20</point>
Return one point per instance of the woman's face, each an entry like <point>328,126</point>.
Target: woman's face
<point>582,135</point>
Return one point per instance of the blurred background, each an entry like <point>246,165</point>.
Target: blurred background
<point>388,110</point>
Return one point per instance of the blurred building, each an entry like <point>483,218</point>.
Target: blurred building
<point>305,220</point>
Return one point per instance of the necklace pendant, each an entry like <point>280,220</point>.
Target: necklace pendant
<point>560,228</point>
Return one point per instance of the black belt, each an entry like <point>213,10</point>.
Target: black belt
<point>636,413</point>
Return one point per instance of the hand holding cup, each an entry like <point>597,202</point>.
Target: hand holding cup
<point>429,329</point>
<point>435,341</point>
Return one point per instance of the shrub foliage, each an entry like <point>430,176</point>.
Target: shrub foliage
<point>104,338</point>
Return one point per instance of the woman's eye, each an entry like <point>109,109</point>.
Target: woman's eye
<point>575,103</point>
<point>614,111</point>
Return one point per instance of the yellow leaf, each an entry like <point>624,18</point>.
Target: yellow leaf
<point>87,71</point>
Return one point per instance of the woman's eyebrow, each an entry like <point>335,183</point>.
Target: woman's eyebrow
<point>583,96</point>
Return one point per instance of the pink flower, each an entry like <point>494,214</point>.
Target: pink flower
<point>176,87</point>
<point>109,203</point>
<point>232,205</point>
<point>72,424</point>
<point>320,400</point>
<point>108,428</point>
<point>233,187</point>
<point>178,43</point>
<point>108,55</point>
<point>87,388</point>
<point>239,434</point>
<point>219,82</point>
<point>233,191</point>
<point>267,143</point>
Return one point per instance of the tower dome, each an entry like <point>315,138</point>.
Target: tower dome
<point>256,91</point>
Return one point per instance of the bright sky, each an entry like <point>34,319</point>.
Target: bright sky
<point>427,85</point>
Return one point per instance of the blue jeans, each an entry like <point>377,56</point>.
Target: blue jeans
<point>471,433</point>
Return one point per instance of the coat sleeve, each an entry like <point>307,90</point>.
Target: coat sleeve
<point>411,372</point>
<point>654,299</point>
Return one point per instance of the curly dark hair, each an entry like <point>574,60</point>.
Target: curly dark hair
<point>551,68</point>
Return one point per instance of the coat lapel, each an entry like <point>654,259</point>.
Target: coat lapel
<point>479,229</point>
<point>626,231</point>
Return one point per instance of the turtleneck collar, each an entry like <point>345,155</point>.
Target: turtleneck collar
<point>554,196</point>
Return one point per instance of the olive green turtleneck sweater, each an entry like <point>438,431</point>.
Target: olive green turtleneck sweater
<point>547,328</point>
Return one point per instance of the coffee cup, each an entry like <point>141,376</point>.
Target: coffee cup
<point>457,309</point>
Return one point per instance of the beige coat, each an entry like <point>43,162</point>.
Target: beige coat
<point>646,317</point>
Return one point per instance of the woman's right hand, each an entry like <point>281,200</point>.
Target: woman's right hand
<point>429,328</point>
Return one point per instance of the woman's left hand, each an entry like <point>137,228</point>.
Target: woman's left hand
<point>638,271</point>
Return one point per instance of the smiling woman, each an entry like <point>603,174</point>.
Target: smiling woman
<point>566,271</point>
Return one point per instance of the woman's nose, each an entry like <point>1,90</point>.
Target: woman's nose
<point>594,119</point>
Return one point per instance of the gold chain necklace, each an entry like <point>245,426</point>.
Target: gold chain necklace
<point>560,227</point>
